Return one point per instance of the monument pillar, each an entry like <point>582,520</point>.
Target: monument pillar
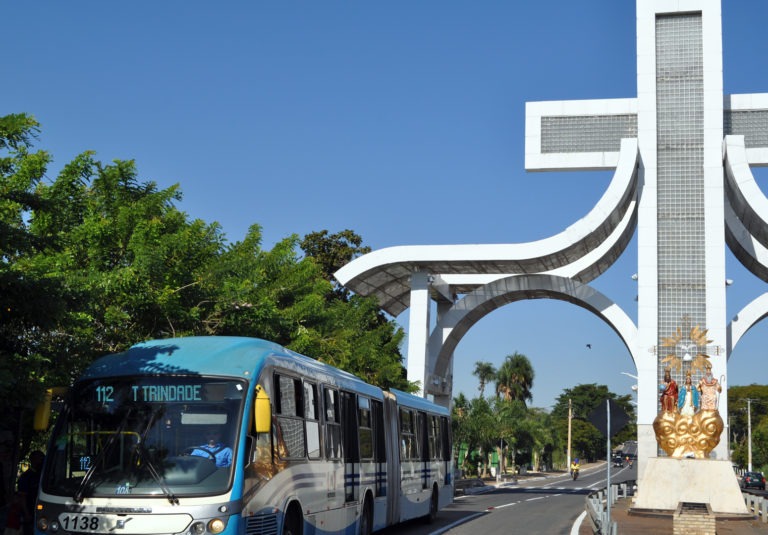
<point>418,329</point>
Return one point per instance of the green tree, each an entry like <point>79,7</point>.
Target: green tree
<point>474,428</point>
<point>134,261</point>
<point>510,420</point>
<point>514,378</point>
<point>485,373</point>
<point>332,252</point>
<point>31,300</point>
<point>586,440</point>
<point>738,397</point>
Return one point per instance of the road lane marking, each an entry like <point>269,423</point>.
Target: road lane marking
<point>502,506</point>
<point>454,524</point>
<point>577,523</point>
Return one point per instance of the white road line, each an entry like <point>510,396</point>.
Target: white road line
<point>502,506</point>
<point>457,523</point>
<point>577,523</point>
<point>534,499</point>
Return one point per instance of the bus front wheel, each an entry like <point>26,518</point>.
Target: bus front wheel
<point>366,519</point>
<point>293,521</point>
<point>433,505</point>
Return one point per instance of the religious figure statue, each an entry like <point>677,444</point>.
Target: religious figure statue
<point>693,427</point>
<point>709,388</point>
<point>688,400</point>
<point>668,392</point>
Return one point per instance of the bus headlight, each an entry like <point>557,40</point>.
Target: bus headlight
<point>216,525</point>
<point>42,523</point>
<point>55,526</point>
<point>198,528</point>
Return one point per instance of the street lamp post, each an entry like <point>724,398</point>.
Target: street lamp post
<point>749,434</point>
<point>568,456</point>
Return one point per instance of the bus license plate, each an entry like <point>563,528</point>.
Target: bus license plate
<point>80,523</point>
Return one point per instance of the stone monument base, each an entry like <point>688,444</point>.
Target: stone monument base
<point>666,482</point>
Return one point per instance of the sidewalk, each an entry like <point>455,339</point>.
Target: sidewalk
<point>629,523</point>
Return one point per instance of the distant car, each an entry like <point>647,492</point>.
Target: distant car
<point>753,480</point>
<point>618,460</point>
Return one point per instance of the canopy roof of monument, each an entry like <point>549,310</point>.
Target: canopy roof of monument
<point>582,251</point>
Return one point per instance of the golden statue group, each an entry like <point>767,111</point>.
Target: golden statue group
<point>689,424</point>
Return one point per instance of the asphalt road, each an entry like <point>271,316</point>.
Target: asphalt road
<point>547,505</point>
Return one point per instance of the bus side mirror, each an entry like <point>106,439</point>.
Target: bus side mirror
<point>262,412</point>
<point>42,417</point>
<point>43,412</point>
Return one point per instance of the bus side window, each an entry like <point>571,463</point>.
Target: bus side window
<point>290,422</point>
<point>377,415</point>
<point>446,438</point>
<point>312,415</point>
<point>332,424</point>
<point>407,437</point>
<point>435,446</point>
<point>365,431</point>
<point>422,432</point>
<point>349,431</point>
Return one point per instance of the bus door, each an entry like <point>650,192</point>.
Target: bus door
<point>410,463</point>
<point>380,456</point>
<point>351,447</point>
<point>333,448</point>
<point>426,457</point>
<point>392,444</point>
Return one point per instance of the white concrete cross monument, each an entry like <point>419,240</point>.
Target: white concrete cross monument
<point>695,147</point>
<point>681,152</point>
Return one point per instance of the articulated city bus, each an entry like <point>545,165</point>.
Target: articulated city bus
<point>209,435</point>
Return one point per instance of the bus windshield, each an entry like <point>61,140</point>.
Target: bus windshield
<point>146,436</point>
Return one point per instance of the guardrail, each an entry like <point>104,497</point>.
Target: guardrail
<point>597,506</point>
<point>757,505</point>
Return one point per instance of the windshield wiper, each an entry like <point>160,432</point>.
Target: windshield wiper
<point>80,492</point>
<point>160,480</point>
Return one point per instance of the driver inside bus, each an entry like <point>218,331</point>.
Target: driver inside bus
<point>214,449</point>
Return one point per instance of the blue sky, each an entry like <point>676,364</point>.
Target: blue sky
<point>403,121</point>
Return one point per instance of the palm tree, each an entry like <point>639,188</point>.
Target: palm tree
<point>514,379</point>
<point>485,372</point>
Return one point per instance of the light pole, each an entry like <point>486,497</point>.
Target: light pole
<point>568,456</point>
<point>634,386</point>
<point>749,434</point>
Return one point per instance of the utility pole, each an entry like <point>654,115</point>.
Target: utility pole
<point>749,434</point>
<point>570,416</point>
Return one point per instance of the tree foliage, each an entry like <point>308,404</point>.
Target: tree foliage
<point>739,417</point>
<point>485,373</point>
<point>333,251</point>
<point>514,378</point>
<point>586,441</point>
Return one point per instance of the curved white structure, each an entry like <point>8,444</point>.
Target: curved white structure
<point>457,320</point>
<point>746,225</point>
<point>604,232</point>
<point>746,216</point>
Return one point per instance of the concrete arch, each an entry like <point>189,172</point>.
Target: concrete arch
<point>746,212</point>
<point>584,250</point>
<point>747,317</point>
<point>457,321</point>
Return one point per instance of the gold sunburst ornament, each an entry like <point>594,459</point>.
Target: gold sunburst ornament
<point>698,343</point>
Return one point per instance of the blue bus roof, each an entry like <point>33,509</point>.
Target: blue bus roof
<point>203,355</point>
<point>418,403</point>
<point>218,356</point>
